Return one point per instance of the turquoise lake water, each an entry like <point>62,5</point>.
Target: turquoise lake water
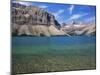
<point>49,54</point>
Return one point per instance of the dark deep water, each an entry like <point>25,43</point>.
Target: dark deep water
<point>48,54</point>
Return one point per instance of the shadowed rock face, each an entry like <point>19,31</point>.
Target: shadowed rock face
<point>31,20</point>
<point>31,15</point>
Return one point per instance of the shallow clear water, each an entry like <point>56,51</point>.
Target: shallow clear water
<point>47,54</point>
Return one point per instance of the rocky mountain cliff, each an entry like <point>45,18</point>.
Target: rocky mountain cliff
<point>79,30</point>
<point>35,21</point>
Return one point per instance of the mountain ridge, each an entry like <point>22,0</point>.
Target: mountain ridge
<point>31,20</point>
<point>35,21</point>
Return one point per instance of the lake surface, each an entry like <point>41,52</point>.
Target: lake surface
<point>49,54</point>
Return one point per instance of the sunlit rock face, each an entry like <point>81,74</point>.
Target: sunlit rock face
<point>78,29</point>
<point>31,20</point>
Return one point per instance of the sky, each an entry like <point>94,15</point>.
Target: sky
<point>66,13</point>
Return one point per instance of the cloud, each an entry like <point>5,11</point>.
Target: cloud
<point>90,20</point>
<point>29,3</point>
<point>71,8</point>
<point>76,16</point>
<point>43,6</point>
<point>58,13</point>
<point>23,3</point>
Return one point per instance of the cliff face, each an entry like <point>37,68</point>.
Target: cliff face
<point>31,20</point>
